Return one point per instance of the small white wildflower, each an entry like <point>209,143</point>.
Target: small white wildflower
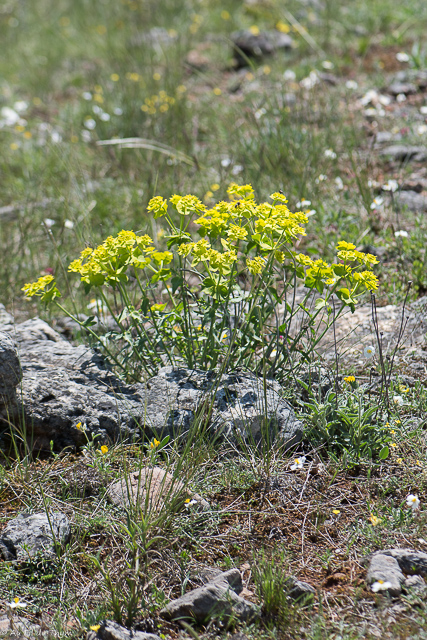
<point>298,463</point>
<point>236,169</point>
<point>9,117</point>
<point>90,123</point>
<point>370,96</point>
<point>189,503</point>
<point>384,100</point>
<point>321,178</point>
<point>105,117</point>
<point>49,222</point>
<point>225,162</point>
<point>413,501</point>
<point>381,585</point>
<point>327,64</point>
<point>351,84</point>
<point>289,75</point>
<point>339,183</point>
<point>422,129</point>
<point>97,109</point>
<point>398,400</point>
<point>303,204</point>
<point>261,112</point>
<point>402,56</point>
<point>401,234</point>
<point>312,212</point>
<point>329,153</point>
<point>118,111</point>
<point>69,224</point>
<point>16,604</point>
<point>311,80</point>
<point>86,137</point>
<point>56,137</point>
<point>20,106</point>
<point>400,97</point>
<point>391,185</point>
<point>369,351</point>
<point>86,95</point>
<point>423,110</point>
<point>377,202</point>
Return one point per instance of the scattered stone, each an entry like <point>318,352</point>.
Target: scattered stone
<point>64,385</point>
<point>299,590</point>
<point>381,137</point>
<point>412,200</point>
<point>18,628</point>
<point>217,599</point>
<point>249,45</point>
<point>151,488</point>
<point>109,630</point>
<point>34,535</point>
<point>409,560</point>
<point>415,583</point>
<point>402,87</point>
<point>384,567</point>
<point>10,369</point>
<point>240,409</point>
<point>6,320</point>
<point>405,153</point>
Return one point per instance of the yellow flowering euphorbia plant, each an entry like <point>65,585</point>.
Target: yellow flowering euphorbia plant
<point>227,297</point>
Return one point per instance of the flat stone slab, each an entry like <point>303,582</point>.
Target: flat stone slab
<point>384,568</point>
<point>32,535</point>
<point>66,386</point>
<point>216,599</point>
<point>151,488</point>
<point>409,560</point>
<point>405,153</point>
<point>237,404</point>
<point>109,630</point>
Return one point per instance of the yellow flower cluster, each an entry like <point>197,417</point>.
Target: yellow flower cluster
<point>159,102</point>
<point>110,260</point>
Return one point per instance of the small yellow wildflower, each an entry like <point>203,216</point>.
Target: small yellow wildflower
<point>266,70</point>
<point>28,135</point>
<point>154,444</point>
<point>398,421</point>
<point>14,146</point>
<point>115,77</point>
<point>418,463</point>
<point>392,432</point>
<point>187,501</point>
<point>104,449</point>
<point>254,30</point>
<point>217,91</point>
<point>399,460</point>
<point>101,29</point>
<point>95,627</point>
<point>336,511</point>
<point>393,444</point>
<point>374,520</point>
<point>215,186</point>
<point>79,426</point>
<point>157,77</point>
<point>283,27</point>
<point>350,379</point>
<point>225,15</point>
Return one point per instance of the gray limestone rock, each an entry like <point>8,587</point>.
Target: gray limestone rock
<point>410,561</point>
<point>30,535</point>
<point>152,488</point>
<point>240,409</point>
<point>249,45</point>
<point>299,590</point>
<point>109,630</point>
<point>385,568</point>
<point>216,599</point>
<point>407,88</point>
<point>64,385</point>
<point>412,200</point>
<point>10,369</point>
<point>415,583</point>
<point>19,628</point>
<point>405,153</point>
